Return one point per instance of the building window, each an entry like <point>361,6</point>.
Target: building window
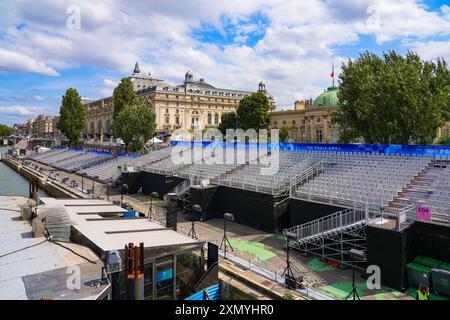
<point>216,118</point>
<point>177,120</point>
<point>178,111</point>
<point>319,136</point>
<point>284,122</point>
<point>167,110</point>
<point>293,122</point>
<point>209,118</point>
<point>164,278</point>
<point>167,119</point>
<point>275,123</point>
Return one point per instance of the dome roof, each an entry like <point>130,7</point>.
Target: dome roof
<point>328,98</point>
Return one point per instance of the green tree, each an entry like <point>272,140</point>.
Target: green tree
<point>252,112</point>
<point>392,99</point>
<point>135,125</point>
<point>283,134</point>
<point>72,117</point>
<point>124,95</point>
<point>5,130</point>
<point>228,120</point>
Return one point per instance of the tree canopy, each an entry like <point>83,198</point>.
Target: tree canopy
<point>123,95</point>
<point>135,125</point>
<point>72,117</point>
<point>284,134</point>
<point>228,120</point>
<point>392,99</point>
<point>5,130</point>
<point>252,112</point>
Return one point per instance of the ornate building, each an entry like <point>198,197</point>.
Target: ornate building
<point>310,120</point>
<point>194,104</point>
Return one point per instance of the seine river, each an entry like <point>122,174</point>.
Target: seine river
<point>12,183</point>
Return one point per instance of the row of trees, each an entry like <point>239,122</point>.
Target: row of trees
<point>391,99</point>
<point>133,119</point>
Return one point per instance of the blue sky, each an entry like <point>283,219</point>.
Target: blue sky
<point>288,44</point>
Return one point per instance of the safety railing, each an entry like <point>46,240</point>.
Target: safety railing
<point>334,222</point>
<point>306,175</point>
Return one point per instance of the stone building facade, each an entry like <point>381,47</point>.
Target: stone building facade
<point>309,121</point>
<point>194,104</point>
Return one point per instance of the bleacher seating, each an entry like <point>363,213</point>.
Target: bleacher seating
<point>384,180</point>
<point>109,170</point>
<point>364,178</point>
<point>71,159</point>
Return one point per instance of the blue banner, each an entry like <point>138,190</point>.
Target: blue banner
<point>212,293</point>
<point>424,150</point>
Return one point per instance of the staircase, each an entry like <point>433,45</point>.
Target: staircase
<point>183,193</point>
<point>306,175</point>
<point>419,190</point>
<point>333,236</point>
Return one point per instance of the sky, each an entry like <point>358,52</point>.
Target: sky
<point>50,45</point>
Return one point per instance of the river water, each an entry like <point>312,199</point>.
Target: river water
<point>12,183</point>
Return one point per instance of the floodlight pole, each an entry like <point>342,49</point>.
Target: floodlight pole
<point>354,292</point>
<point>150,213</point>
<point>192,232</point>
<point>225,240</point>
<point>150,208</point>
<point>288,273</point>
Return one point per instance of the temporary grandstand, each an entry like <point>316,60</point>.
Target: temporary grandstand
<point>328,199</point>
<point>334,195</point>
<point>392,181</point>
<point>72,160</point>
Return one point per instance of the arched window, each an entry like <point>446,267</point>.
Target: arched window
<point>216,118</point>
<point>92,127</point>
<point>209,118</point>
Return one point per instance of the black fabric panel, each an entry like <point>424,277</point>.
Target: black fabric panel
<point>388,250</point>
<point>302,211</point>
<point>430,240</point>
<point>250,208</point>
<point>150,182</point>
<point>203,197</point>
<point>133,180</point>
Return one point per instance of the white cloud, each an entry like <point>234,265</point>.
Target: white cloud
<point>11,61</point>
<point>293,56</point>
<point>390,20</point>
<point>432,50</point>
<point>20,110</point>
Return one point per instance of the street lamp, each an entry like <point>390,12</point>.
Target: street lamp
<point>225,241</point>
<point>192,233</point>
<point>154,194</point>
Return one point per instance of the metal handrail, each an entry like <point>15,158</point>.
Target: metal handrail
<point>335,221</point>
<point>305,174</point>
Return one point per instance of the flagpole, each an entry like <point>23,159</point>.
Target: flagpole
<point>332,72</point>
